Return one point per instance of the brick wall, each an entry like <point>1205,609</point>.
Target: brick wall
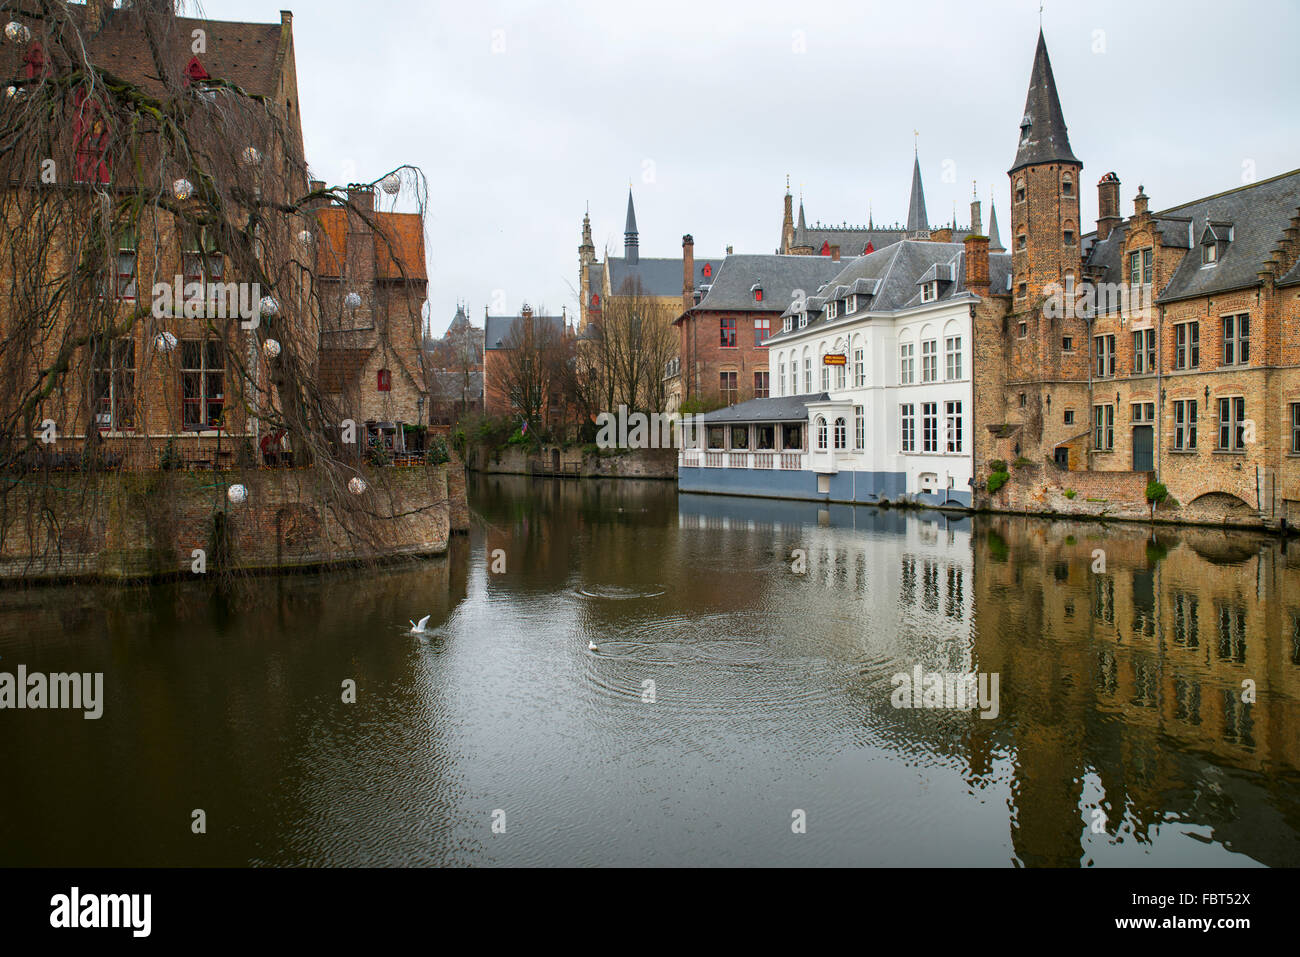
<point>141,525</point>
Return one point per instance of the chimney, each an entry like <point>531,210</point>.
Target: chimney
<point>976,218</point>
<point>688,271</point>
<point>362,197</point>
<point>1107,206</point>
<point>835,254</point>
<point>728,250</point>
<point>977,265</point>
<point>1140,203</point>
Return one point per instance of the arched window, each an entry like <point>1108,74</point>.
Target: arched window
<point>821,433</point>
<point>807,371</point>
<point>780,378</point>
<point>841,433</point>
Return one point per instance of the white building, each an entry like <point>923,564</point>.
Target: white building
<point>877,367</point>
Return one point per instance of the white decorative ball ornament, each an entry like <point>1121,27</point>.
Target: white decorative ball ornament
<point>164,342</point>
<point>352,300</point>
<point>17,32</point>
<point>306,238</point>
<point>237,494</point>
<point>271,347</point>
<point>269,307</point>
<point>182,189</point>
<point>357,485</point>
<point>391,184</point>
<point>251,156</point>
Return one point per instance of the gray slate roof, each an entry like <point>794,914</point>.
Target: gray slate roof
<point>497,329</point>
<point>899,269</point>
<point>780,277</point>
<point>1043,135</point>
<point>1259,213</point>
<point>656,277</point>
<point>786,408</point>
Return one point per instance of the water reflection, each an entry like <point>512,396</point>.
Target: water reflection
<point>744,663</point>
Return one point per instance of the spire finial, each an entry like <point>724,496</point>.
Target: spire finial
<point>974,190</point>
<point>916,142</point>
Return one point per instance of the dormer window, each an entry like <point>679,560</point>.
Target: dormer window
<point>830,309</point>
<point>1214,241</point>
<point>852,305</point>
<point>930,291</point>
<point>756,291</point>
<point>787,323</point>
<point>803,319</point>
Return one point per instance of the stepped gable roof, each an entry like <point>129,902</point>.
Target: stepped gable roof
<point>1258,215</point>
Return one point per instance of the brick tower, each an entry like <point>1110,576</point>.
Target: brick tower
<point>1044,190</point>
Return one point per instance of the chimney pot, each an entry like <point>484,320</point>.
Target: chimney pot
<point>835,254</point>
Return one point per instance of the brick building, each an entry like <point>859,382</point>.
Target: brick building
<point>724,352</point>
<point>371,266</point>
<point>509,343</point>
<point>1162,343</point>
<point>138,397</point>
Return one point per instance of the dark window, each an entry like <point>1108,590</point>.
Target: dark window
<point>727,326</point>
<point>1236,340</point>
<point>1187,345</point>
<point>1232,424</point>
<point>1185,425</point>
<point>727,385</point>
<point>761,385</point>
<point>203,384</point>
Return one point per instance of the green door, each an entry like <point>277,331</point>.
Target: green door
<point>1143,448</point>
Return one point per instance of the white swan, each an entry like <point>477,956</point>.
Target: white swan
<point>591,646</point>
<point>419,629</point>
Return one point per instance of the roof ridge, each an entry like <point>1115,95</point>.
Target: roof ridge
<point>1228,192</point>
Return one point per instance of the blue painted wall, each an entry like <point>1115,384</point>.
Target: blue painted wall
<point>865,487</point>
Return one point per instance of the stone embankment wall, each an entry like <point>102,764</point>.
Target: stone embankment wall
<point>1039,490</point>
<point>636,463</point>
<point>137,525</point>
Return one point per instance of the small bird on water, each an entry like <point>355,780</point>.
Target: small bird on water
<point>419,629</point>
<point>591,646</point>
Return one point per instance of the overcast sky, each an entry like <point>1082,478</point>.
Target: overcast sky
<point>521,113</point>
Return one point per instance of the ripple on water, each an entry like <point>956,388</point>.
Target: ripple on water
<point>620,592</point>
<point>711,674</point>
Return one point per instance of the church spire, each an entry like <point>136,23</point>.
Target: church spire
<point>803,225</point>
<point>630,241</point>
<point>995,241</point>
<point>918,223</point>
<point>1043,137</point>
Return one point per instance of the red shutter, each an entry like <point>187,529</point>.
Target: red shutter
<point>385,383</point>
<point>90,139</point>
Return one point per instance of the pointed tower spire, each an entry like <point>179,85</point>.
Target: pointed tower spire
<point>995,241</point>
<point>918,223</point>
<point>1043,137</point>
<point>787,220</point>
<point>803,225</point>
<point>630,241</point>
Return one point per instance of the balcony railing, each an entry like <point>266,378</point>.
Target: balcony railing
<point>787,461</point>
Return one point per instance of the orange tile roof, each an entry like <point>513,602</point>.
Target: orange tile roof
<point>399,239</point>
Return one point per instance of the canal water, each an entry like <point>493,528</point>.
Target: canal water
<point>740,706</point>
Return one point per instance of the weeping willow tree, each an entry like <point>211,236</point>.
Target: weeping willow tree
<point>161,297</point>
